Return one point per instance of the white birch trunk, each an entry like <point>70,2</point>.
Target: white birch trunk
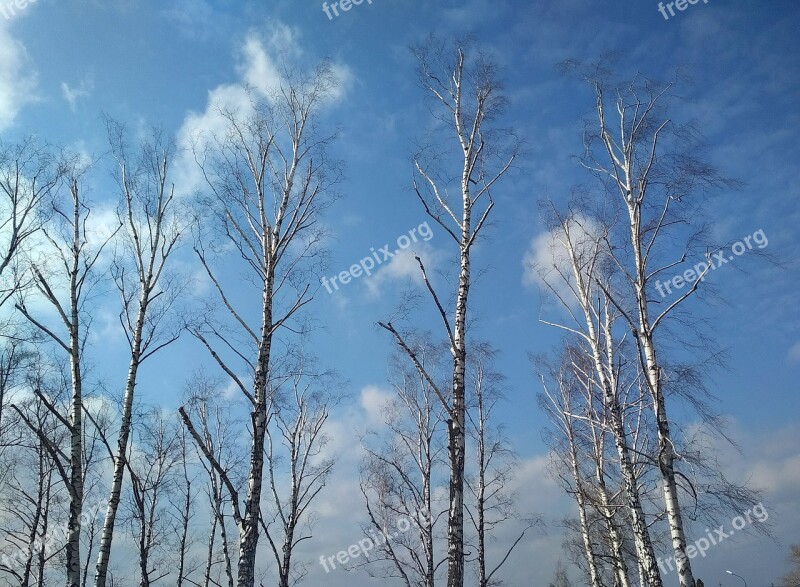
<point>73,551</point>
<point>666,455</point>
<point>580,497</point>
<point>107,534</point>
<point>151,250</point>
<point>598,325</point>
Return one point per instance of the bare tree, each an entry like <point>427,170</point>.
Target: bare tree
<point>268,178</point>
<point>28,175</point>
<point>401,469</point>
<point>151,233</point>
<point>652,171</point>
<point>154,470</point>
<point>218,431</point>
<point>578,279</point>
<point>30,491</point>
<point>467,98</point>
<point>296,459</point>
<point>561,579</point>
<point>65,284</point>
<point>561,402</point>
<point>183,512</point>
<point>494,504</point>
<point>576,404</point>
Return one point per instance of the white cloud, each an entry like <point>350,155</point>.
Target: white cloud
<point>72,94</point>
<point>260,75</point>
<point>546,263</point>
<point>373,401</point>
<point>260,69</point>
<point>18,78</point>
<point>403,266</point>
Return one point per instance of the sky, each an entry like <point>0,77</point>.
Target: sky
<point>65,64</point>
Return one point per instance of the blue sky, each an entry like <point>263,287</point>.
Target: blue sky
<point>64,63</point>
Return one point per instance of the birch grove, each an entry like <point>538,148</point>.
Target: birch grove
<point>606,253</point>
<point>632,157</point>
<point>175,407</point>
<point>594,324</point>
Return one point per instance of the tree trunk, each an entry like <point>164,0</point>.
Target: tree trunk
<point>580,497</point>
<point>107,535</point>
<point>620,565</point>
<point>76,435</point>
<point>666,456</point>
<point>666,462</point>
<point>457,440</point>
<point>248,542</point>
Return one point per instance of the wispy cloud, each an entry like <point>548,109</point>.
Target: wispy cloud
<point>72,94</point>
<point>18,77</point>
<point>260,70</point>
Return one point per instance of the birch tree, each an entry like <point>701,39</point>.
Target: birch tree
<point>576,407</point>
<point>29,173</point>
<point>218,429</point>
<point>560,401</point>
<point>267,178</point>
<point>65,285</point>
<point>493,503</point>
<point>297,461</point>
<point>401,470</point>
<point>653,170</point>
<point>154,470</point>
<point>183,513</point>
<point>470,156</point>
<point>150,235</point>
<point>30,489</point>
<point>577,279</point>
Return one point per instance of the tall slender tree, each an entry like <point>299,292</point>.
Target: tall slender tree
<point>151,232</point>
<point>467,98</point>
<point>268,177</point>
<point>402,468</point>
<point>652,172</point>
